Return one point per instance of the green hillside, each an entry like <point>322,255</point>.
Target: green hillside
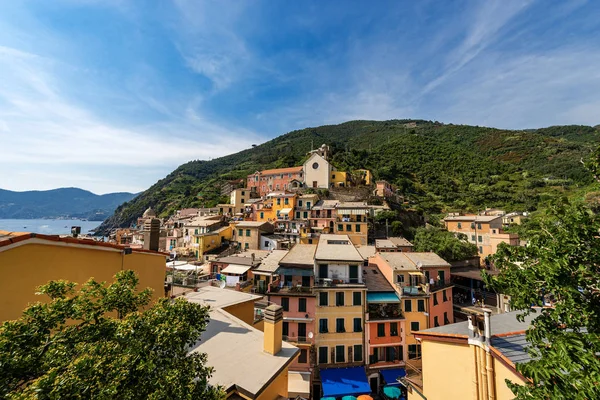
<point>439,167</point>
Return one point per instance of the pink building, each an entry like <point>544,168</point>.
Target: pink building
<point>264,182</point>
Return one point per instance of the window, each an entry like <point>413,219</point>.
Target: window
<point>302,304</point>
<point>323,326</point>
<point>308,204</point>
<point>266,243</point>
<point>400,278</point>
<point>380,330</point>
<point>357,228</point>
<point>421,305</point>
<point>393,329</point>
<point>303,358</point>
<point>414,351</point>
<point>357,298</point>
<point>240,232</point>
<point>480,238</point>
<point>247,232</point>
<point>285,329</point>
<point>339,298</point>
<point>479,225</point>
<point>305,214</point>
<point>297,214</point>
<point>390,354</point>
<point>435,321</point>
<point>472,225</point>
<point>408,305</point>
<point>340,227</point>
<point>358,353</point>
<point>262,215</point>
<point>349,227</point>
<point>459,225</point>
<point>357,325</point>
<point>323,355</point>
<point>315,165</point>
<point>285,303</point>
<point>473,238</point>
<point>278,200</point>
<point>446,320</point>
<point>414,326</point>
<point>246,245</point>
<point>435,300</point>
<point>243,201</point>
<point>480,249</point>
<point>306,281</point>
<point>299,203</point>
<point>286,201</point>
<point>332,176</point>
<point>493,231</point>
<point>339,325</point>
<point>444,296</point>
<point>339,354</point>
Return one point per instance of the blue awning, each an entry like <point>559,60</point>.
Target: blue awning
<point>339,382</point>
<point>390,376</point>
<point>382,297</point>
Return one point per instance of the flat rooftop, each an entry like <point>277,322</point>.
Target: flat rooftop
<point>271,262</point>
<point>236,352</point>
<point>499,324</point>
<point>337,248</point>
<point>366,251</point>
<point>410,261</point>
<point>218,298</point>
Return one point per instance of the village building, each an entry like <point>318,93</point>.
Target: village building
<point>264,182</point>
<point>393,245</point>
<point>248,363</point>
<point>422,280</point>
<point>248,234</point>
<point>485,231</point>
<point>42,258</point>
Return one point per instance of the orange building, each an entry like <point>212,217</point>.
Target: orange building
<point>263,182</point>
<point>484,231</point>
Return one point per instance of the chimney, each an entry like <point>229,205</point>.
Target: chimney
<point>151,236</point>
<point>273,329</point>
<point>487,313</point>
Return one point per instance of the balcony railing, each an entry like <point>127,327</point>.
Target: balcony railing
<point>414,289</point>
<point>332,282</point>
<point>296,339</point>
<point>384,311</point>
<point>295,289</point>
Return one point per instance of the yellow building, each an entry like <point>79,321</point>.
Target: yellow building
<point>470,360</point>
<point>352,220</point>
<point>28,260</point>
<point>341,298</point>
<point>338,178</point>
<point>248,363</point>
<point>248,233</point>
<point>205,242</point>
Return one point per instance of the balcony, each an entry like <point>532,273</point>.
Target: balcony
<point>414,289</point>
<point>383,311</point>
<point>291,290</point>
<point>296,339</point>
<point>337,282</point>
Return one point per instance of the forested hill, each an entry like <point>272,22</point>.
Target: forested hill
<point>60,203</point>
<point>438,167</point>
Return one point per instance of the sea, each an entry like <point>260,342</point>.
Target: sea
<point>47,226</point>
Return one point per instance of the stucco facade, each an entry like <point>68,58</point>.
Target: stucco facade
<point>317,172</point>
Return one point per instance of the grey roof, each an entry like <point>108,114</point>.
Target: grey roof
<point>513,347</point>
<point>238,260</point>
<point>352,204</point>
<point>409,261</point>
<point>251,224</point>
<point>271,262</point>
<point>473,218</point>
<point>500,323</point>
<point>400,241</point>
<point>228,340</point>
<point>219,298</point>
<point>325,205</point>
<point>375,280</point>
<point>337,248</point>
<point>384,244</point>
<point>300,254</point>
<point>366,251</point>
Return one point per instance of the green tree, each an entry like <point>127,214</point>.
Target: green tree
<point>561,265</point>
<point>104,342</point>
<point>446,244</point>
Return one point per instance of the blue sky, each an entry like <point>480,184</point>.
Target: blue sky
<point>112,95</point>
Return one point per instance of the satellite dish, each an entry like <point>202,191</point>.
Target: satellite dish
<point>222,285</point>
<point>310,335</point>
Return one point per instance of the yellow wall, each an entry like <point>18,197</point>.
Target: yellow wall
<point>339,177</point>
<point>212,240</point>
<point>333,312</point>
<point>502,373</point>
<point>278,387</point>
<point>447,371</point>
<point>243,311</point>
<point>27,266</point>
